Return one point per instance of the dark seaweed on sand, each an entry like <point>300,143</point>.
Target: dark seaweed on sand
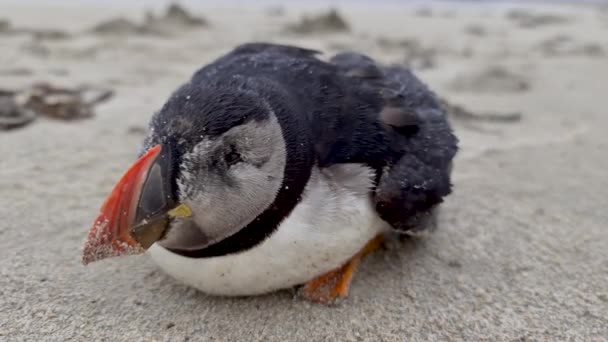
<point>20,107</point>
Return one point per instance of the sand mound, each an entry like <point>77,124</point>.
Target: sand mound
<point>328,22</point>
<point>175,19</point>
<point>36,33</point>
<point>275,11</point>
<point>562,45</point>
<point>415,54</point>
<point>117,26</point>
<point>493,79</point>
<point>5,25</point>
<point>475,30</point>
<point>460,112</point>
<point>527,19</point>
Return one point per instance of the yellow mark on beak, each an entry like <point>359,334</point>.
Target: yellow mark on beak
<point>181,211</point>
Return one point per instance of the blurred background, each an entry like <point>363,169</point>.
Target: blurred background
<point>521,249</point>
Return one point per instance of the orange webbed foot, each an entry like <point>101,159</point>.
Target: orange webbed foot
<point>332,287</point>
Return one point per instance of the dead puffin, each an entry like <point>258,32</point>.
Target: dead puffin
<point>273,168</point>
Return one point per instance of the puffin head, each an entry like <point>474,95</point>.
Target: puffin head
<point>213,162</point>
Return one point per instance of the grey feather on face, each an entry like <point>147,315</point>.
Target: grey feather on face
<point>228,181</point>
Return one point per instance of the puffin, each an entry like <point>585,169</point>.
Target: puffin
<point>274,167</point>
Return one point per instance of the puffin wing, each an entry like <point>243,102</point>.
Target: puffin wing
<point>250,59</point>
<point>417,176</point>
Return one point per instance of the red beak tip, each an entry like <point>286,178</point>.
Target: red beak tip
<point>101,245</point>
<point>93,251</point>
<point>110,235</point>
<point>91,254</point>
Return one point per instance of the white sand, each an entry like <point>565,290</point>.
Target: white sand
<point>521,253</point>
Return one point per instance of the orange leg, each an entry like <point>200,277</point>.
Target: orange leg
<point>334,285</point>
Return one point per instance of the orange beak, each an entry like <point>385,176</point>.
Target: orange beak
<point>133,216</point>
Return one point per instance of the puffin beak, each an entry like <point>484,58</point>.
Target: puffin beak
<point>137,211</point>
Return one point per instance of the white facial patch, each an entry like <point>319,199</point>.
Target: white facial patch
<point>225,197</point>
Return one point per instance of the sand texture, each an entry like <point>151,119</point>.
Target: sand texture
<point>521,253</point>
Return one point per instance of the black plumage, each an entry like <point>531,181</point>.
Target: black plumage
<point>349,109</point>
<point>416,175</point>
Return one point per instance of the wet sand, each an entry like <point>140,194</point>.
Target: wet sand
<point>520,254</point>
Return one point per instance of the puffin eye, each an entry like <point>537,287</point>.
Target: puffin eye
<point>232,157</point>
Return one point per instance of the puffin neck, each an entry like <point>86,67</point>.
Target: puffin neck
<point>300,159</point>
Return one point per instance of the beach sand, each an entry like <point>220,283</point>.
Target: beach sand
<point>521,251</point>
